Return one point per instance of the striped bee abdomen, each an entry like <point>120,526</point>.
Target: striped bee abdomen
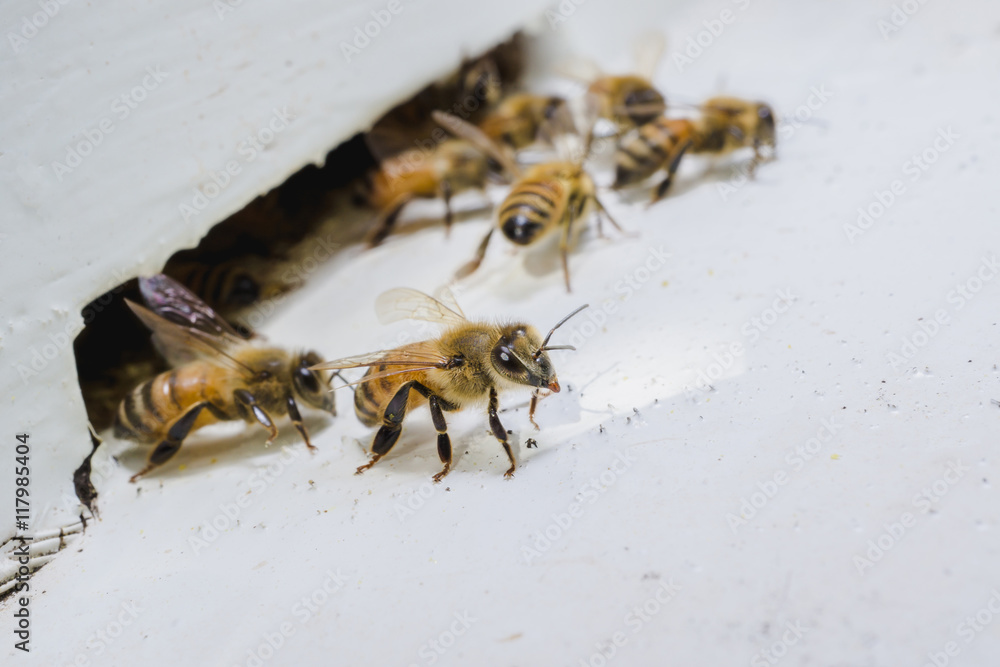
<point>372,397</point>
<point>650,149</point>
<point>530,209</point>
<point>149,409</point>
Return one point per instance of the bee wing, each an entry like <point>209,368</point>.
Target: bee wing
<point>477,138</point>
<point>580,69</point>
<point>179,344</point>
<point>648,54</point>
<point>175,303</point>
<point>388,139</point>
<point>418,357</point>
<point>403,303</point>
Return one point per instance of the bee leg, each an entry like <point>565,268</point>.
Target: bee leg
<point>443,442</point>
<point>245,399</point>
<point>500,433</point>
<point>661,190</point>
<point>386,220</point>
<point>603,212</point>
<point>296,417</point>
<point>531,409</point>
<point>473,264</point>
<point>448,215</point>
<point>564,252</point>
<point>392,426</point>
<point>175,437</point>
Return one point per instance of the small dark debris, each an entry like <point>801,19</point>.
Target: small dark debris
<point>531,444</point>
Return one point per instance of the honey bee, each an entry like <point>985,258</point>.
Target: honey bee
<point>217,376</point>
<point>547,197</point>
<point>517,119</point>
<point>628,100</point>
<point>724,124</point>
<point>448,168</point>
<point>468,364</point>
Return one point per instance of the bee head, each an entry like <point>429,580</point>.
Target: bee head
<point>765,131</point>
<point>521,355</point>
<point>310,384</point>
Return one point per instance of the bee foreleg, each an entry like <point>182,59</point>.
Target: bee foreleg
<point>531,409</point>
<point>175,437</point>
<point>296,417</point>
<point>474,263</point>
<point>392,426</point>
<point>245,398</point>
<point>499,432</point>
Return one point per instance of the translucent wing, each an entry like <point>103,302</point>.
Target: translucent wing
<point>175,303</point>
<point>417,357</point>
<point>477,138</point>
<point>648,54</point>
<point>390,138</point>
<point>180,345</point>
<point>580,69</point>
<point>403,303</point>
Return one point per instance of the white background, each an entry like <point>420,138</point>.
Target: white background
<point>631,390</point>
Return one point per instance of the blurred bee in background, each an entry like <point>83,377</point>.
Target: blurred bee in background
<point>449,167</point>
<point>518,119</point>
<point>627,100</point>
<point>545,198</point>
<point>235,282</point>
<point>217,376</point>
<point>470,363</point>
<point>723,125</point>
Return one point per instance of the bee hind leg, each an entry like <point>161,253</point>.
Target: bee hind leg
<point>175,437</point>
<point>661,190</point>
<point>392,426</point>
<point>500,433</point>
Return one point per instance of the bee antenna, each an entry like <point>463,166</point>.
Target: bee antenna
<point>563,321</point>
